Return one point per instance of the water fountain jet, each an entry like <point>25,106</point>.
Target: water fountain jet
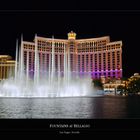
<point>52,85</point>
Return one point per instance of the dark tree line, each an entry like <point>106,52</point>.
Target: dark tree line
<point>132,87</point>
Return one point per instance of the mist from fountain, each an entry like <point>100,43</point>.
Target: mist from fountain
<point>52,84</point>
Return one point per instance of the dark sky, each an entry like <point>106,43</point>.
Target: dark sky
<point>118,25</point>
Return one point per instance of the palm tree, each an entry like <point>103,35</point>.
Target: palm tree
<point>134,86</point>
<point>121,89</point>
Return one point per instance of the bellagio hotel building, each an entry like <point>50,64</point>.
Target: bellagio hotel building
<point>95,56</point>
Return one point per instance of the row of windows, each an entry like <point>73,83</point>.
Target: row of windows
<point>45,65</point>
<point>80,49</point>
<point>84,57</point>
<point>97,43</point>
<point>44,43</point>
<point>79,60</point>
<point>96,49</point>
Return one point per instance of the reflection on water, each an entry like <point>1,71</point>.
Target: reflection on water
<point>97,107</point>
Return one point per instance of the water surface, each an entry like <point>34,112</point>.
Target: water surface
<point>84,108</point>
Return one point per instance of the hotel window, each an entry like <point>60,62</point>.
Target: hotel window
<point>25,59</point>
<point>99,61</point>
<point>91,60</point>
<point>78,62</point>
<point>87,61</point>
<point>82,63</point>
<point>95,56</point>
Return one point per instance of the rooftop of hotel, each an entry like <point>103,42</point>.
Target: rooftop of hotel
<point>84,39</point>
<point>5,57</point>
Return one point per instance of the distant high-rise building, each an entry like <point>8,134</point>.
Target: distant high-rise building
<point>7,67</point>
<point>94,56</point>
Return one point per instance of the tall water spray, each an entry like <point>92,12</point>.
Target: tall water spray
<point>51,83</point>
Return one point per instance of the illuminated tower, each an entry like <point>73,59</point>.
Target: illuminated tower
<point>72,49</point>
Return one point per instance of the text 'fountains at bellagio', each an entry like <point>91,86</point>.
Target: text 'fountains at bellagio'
<point>51,83</point>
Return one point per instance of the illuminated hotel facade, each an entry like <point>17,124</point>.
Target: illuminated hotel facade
<point>94,56</point>
<point>7,67</point>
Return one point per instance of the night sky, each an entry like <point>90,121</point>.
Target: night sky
<point>123,26</point>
